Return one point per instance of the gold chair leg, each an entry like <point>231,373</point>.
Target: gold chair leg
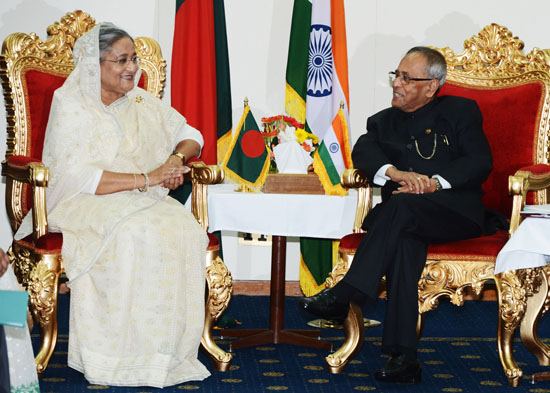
<point>420,324</point>
<point>39,275</point>
<point>42,288</point>
<point>529,324</point>
<point>220,287</point>
<point>354,329</point>
<point>48,334</point>
<point>512,303</point>
<point>221,360</point>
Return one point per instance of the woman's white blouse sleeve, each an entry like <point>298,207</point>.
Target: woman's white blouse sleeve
<point>91,186</point>
<point>189,132</point>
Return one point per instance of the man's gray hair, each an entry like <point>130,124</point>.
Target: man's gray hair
<point>108,35</point>
<point>435,63</point>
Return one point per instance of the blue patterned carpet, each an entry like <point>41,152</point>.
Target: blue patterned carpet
<point>458,354</point>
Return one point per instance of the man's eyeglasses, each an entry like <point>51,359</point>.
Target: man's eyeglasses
<point>405,78</point>
<point>123,62</point>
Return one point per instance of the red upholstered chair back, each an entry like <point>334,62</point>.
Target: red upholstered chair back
<point>511,121</point>
<point>513,92</point>
<point>31,70</point>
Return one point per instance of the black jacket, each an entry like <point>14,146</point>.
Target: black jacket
<point>450,125</point>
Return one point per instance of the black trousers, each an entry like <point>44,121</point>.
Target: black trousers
<point>4,366</point>
<point>396,246</point>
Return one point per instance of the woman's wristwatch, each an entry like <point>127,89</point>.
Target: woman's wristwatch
<point>180,155</point>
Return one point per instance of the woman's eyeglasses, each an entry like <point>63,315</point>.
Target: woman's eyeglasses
<point>123,62</point>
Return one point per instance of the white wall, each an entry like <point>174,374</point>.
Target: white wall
<point>378,33</point>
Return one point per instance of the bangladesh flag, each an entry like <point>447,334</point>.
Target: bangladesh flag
<point>201,89</point>
<point>247,160</point>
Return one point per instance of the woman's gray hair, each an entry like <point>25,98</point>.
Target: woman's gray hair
<point>435,63</point>
<point>108,35</point>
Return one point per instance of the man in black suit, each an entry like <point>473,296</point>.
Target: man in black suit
<point>430,156</point>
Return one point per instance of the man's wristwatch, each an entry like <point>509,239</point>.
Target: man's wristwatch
<point>180,155</point>
<point>438,186</point>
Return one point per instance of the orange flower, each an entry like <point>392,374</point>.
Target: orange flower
<point>271,119</point>
<point>293,122</point>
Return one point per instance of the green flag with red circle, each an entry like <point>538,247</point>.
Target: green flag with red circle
<point>247,160</point>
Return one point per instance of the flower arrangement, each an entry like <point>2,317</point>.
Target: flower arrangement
<point>286,129</point>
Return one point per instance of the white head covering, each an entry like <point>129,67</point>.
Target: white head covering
<point>83,136</point>
<point>87,74</point>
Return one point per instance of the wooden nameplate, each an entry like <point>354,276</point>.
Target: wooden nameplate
<point>282,183</point>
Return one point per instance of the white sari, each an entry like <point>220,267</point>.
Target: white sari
<point>135,260</point>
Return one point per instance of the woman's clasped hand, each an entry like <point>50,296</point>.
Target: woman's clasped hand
<point>170,174</point>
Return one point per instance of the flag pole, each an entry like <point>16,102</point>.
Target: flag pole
<point>241,187</point>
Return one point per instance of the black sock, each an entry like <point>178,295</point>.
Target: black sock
<point>343,291</point>
<point>410,354</point>
<point>360,299</point>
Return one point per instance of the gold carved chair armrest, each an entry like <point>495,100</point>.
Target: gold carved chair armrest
<point>201,176</point>
<point>531,178</point>
<point>356,179</point>
<point>37,175</point>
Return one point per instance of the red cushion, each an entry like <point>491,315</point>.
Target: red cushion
<point>349,243</point>
<point>510,120</point>
<point>483,248</point>
<point>50,243</point>
<point>213,242</point>
<point>537,170</point>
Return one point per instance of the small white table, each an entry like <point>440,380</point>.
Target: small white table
<point>279,215</point>
<point>307,215</point>
<point>528,247</point>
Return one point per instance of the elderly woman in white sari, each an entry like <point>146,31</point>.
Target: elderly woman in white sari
<point>135,257</point>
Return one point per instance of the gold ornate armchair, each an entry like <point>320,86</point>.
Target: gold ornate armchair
<point>30,70</point>
<point>513,92</point>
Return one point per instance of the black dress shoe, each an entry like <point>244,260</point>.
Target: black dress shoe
<point>400,369</point>
<point>325,305</point>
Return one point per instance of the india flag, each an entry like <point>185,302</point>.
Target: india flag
<point>317,94</point>
<point>317,88</point>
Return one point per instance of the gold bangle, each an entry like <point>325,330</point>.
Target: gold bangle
<point>146,186</point>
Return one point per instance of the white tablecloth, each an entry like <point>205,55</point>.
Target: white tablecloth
<point>308,215</point>
<point>528,247</point>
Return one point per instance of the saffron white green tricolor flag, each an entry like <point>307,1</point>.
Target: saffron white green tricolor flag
<point>317,93</point>
<point>317,84</point>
